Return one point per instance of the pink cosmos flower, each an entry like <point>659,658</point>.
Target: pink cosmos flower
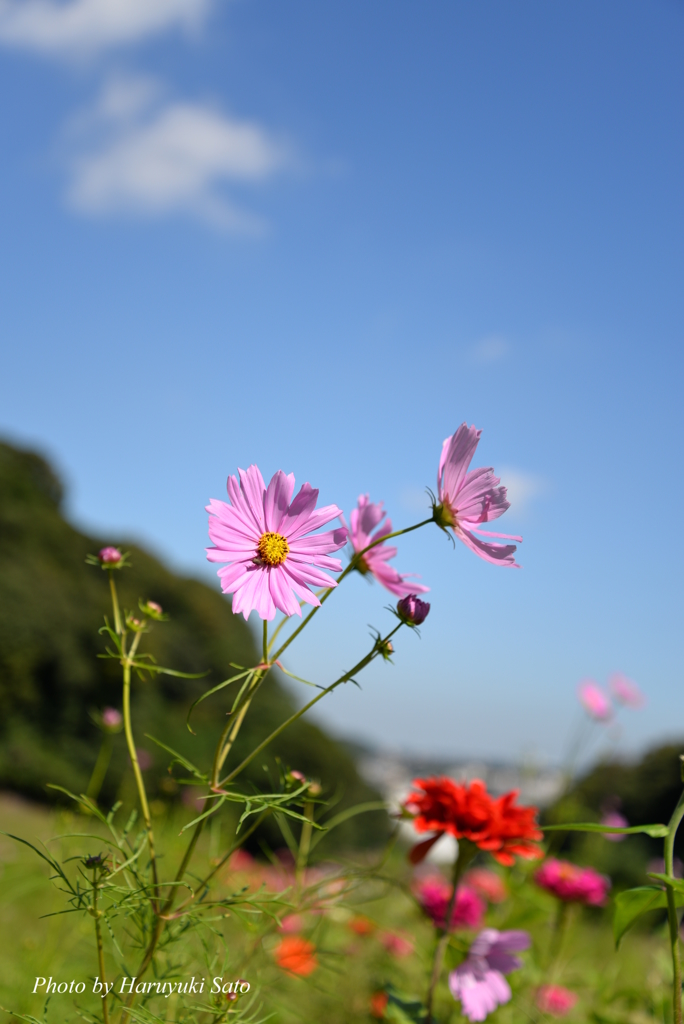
<point>555,1000</point>
<point>434,894</point>
<point>467,499</point>
<point>625,691</point>
<point>594,700</point>
<point>572,884</point>
<point>109,555</point>
<point>363,521</point>
<point>265,536</point>
<point>479,982</point>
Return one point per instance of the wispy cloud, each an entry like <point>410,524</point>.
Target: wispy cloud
<point>140,153</point>
<point>491,349</point>
<point>523,488</point>
<point>88,26</point>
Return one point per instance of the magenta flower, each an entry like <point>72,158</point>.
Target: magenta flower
<point>572,884</point>
<point>434,894</point>
<point>467,499</point>
<point>412,610</point>
<point>263,534</point>
<point>555,1000</point>
<point>625,691</point>
<point>594,700</point>
<point>479,982</point>
<point>364,518</point>
<point>109,555</point>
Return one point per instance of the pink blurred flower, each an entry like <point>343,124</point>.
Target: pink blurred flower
<point>145,759</point>
<point>594,700</point>
<point>109,555</point>
<point>486,884</point>
<point>291,924</point>
<point>555,1000</point>
<point>412,610</point>
<point>572,884</point>
<point>364,518</point>
<point>265,536</point>
<point>397,945</point>
<point>625,691</point>
<point>434,894</point>
<point>190,797</point>
<point>111,719</point>
<point>479,981</point>
<point>614,820</point>
<point>467,499</point>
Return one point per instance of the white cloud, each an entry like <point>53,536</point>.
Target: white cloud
<point>491,349</point>
<point>138,153</point>
<point>523,488</point>
<point>86,26</point>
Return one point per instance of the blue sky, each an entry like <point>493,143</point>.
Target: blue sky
<point>319,237</point>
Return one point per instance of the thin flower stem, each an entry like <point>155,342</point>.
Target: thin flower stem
<point>130,743</point>
<point>100,769</point>
<point>673,920</point>
<point>345,572</point>
<point>559,929</point>
<point>265,647</point>
<point>466,852</point>
<point>304,843</point>
<point>100,949</point>
<point>293,718</point>
<point>115,603</point>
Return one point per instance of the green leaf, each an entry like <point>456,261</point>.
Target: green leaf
<point>179,758</point>
<point>674,883</point>
<point>654,831</point>
<point>403,1009</point>
<point>214,689</point>
<point>632,903</point>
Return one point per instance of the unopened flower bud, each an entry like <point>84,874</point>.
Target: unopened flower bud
<point>137,625</point>
<point>412,610</point>
<point>111,720</point>
<point>297,776</point>
<point>109,556</point>
<point>315,789</point>
<point>152,609</point>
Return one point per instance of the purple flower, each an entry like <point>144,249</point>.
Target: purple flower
<point>594,700</point>
<point>467,499</point>
<point>412,610</point>
<point>479,982</point>
<point>625,691</point>
<point>364,518</point>
<point>262,533</point>
<point>614,820</point>
<point>109,555</point>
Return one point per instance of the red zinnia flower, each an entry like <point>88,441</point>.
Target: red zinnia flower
<point>296,955</point>
<point>469,812</point>
<point>378,1004</point>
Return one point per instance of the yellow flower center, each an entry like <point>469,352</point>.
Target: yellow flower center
<point>273,548</point>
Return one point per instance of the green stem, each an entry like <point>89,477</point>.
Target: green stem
<point>673,920</point>
<point>304,843</point>
<point>298,714</point>
<point>345,572</point>
<point>142,795</point>
<point>265,643</point>
<point>100,948</point>
<point>115,603</point>
<point>559,928</point>
<point>100,769</point>
<point>466,852</point>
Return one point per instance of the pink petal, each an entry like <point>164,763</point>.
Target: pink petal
<point>242,507</point>
<point>480,499</point>
<point>319,543</point>
<point>277,500</point>
<point>498,554</point>
<point>253,488</point>
<point>308,574</point>
<point>300,588</point>
<point>457,458</point>
<point>282,594</point>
